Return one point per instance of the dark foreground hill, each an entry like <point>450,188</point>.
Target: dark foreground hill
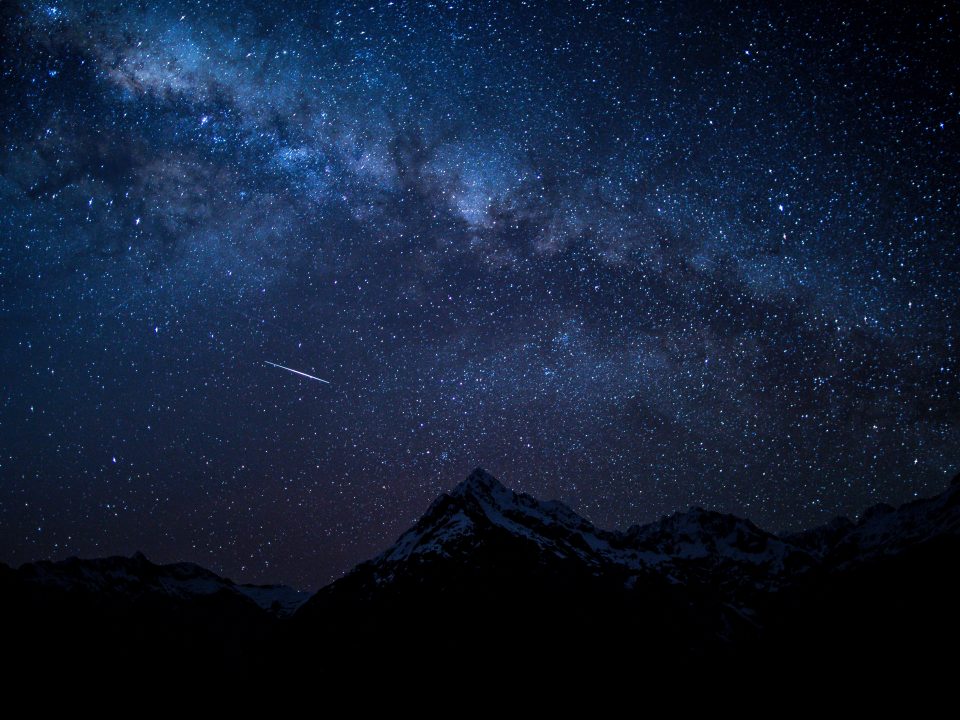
<point>487,575</point>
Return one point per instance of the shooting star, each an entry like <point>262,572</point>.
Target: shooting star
<point>284,367</point>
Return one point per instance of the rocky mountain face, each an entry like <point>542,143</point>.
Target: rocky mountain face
<point>489,572</point>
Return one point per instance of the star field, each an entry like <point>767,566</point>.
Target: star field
<point>635,256</point>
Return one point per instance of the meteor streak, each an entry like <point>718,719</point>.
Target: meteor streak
<point>284,367</point>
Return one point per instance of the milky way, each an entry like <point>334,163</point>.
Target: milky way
<point>634,256</point>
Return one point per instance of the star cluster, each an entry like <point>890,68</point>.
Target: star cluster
<point>635,256</point>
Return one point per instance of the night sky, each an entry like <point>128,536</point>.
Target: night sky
<point>634,256</point>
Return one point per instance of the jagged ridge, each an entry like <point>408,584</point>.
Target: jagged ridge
<point>685,545</point>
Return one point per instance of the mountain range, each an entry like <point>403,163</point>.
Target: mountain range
<point>487,572</point>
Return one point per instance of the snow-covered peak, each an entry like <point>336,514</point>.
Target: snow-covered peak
<point>483,488</point>
<point>717,539</point>
<point>456,522</point>
<point>482,491</point>
<point>482,484</point>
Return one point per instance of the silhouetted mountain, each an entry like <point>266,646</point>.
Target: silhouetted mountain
<point>121,610</point>
<point>489,572</point>
<point>135,580</point>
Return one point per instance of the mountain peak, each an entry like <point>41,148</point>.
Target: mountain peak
<point>479,482</point>
<point>481,505</point>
